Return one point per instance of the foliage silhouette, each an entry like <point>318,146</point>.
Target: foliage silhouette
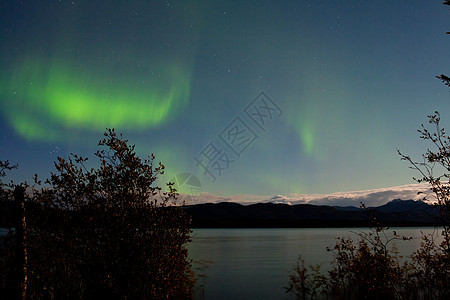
<point>371,268</point>
<point>107,232</point>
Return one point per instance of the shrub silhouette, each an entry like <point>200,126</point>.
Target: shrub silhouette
<point>107,232</point>
<point>372,269</point>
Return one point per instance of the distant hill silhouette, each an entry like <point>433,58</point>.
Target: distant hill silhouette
<point>228,214</point>
<point>398,205</point>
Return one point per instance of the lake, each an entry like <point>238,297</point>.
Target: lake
<point>256,263</point>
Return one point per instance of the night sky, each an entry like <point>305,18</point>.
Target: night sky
<point>258,100</point>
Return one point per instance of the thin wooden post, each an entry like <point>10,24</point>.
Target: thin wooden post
<point>20,235</point>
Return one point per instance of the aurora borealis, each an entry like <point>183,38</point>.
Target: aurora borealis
<point>354,80</point>
<point>61,95</point>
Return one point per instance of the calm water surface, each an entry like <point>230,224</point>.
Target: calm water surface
<point>256,263</point>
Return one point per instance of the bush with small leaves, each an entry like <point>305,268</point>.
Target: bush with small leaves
<point>107,232</point>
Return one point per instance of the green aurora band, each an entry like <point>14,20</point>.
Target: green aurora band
<point>42,100</point>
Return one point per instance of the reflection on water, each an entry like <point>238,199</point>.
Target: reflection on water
<point>255,263</point>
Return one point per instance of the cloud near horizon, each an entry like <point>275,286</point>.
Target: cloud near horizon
<point>373,197</point>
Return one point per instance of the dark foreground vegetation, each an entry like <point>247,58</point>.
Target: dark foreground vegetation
<point>105,233</point>
<point>372,269</point>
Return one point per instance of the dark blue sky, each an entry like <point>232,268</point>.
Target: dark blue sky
<point>258,98</point>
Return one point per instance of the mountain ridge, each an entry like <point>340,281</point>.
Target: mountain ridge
<point>230,214</point>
